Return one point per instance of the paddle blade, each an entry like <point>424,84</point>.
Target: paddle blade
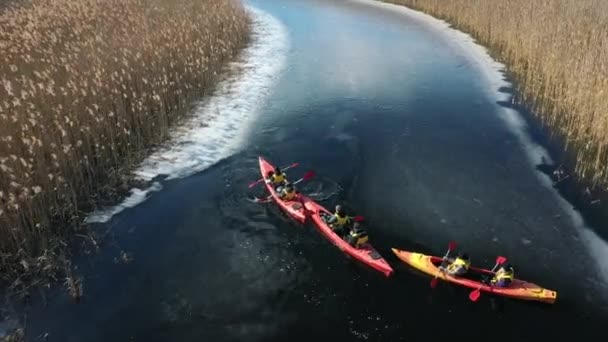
<point>434,283</point>
<point>451,245</point>
<point>500,260</point>
<point>251,185</point>
<point>358,218</point>
<point>308,175</point>
<point>474,295</point>
<point>263,200</point>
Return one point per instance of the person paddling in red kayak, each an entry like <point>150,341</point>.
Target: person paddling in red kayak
<point>277,178</point>
<point>459,266</point>
<point>504,276</point>
<point>357,236</point>
<point>338,221</point>
<point>288,192</point>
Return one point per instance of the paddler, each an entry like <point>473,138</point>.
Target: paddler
<point>459,266</point>
<point>357,236</point>
<point>338,221</point>
<point>504,276</point>
<point>289,192</point>
<point>277,178</point>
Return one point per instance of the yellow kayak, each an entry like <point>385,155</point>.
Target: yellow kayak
<point>518,289</point>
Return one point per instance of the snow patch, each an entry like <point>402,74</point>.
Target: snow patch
<point>219,125</point>
<point>137,196</point>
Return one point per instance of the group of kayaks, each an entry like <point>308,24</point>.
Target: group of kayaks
<point>302,207</point>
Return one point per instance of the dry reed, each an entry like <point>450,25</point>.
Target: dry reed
<point>558,52</point>
<point>85,87</point>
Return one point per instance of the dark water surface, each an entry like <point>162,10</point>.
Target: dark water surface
<point>400,128</point>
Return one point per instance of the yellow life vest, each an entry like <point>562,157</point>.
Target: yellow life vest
<point>342,220</point>
<point>503,275</point>
<point>361,237</point>
<point>288,195</point>
<point>457,263</point>
<point>277,179</point>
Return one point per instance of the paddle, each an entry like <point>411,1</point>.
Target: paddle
<point>308,175</point>
<point>474,295</point>
<point>451,246</point>
<point>262,179</point>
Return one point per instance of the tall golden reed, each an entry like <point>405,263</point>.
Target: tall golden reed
<point>558,52</point>
<point>85,87</point>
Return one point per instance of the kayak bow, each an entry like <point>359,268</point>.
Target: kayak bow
<point>519,289</point>
<point>365,254</point>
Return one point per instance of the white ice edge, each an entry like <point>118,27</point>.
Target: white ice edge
<point>136,197</point>
<point>493,73</point>
<point>218,126</point>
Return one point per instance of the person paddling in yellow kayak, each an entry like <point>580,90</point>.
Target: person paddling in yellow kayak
<point>504,276</point>
<point>459,266</point>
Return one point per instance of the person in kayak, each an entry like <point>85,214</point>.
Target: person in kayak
<point>288,192</point>
<point>338,221</point>
<point>358,236</point>
<point>459,266</point>
<point>277,178</point>
<point>504,276</point>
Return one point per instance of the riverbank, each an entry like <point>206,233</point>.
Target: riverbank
<point>554,51</point>
<point>88,88</point>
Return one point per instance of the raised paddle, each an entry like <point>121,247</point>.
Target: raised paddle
<point>451,246</point>
<point>251,185</point>
<point>474,295</point>
<point>308,175</point>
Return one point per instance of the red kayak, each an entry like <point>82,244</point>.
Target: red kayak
<point>366,253</point>
<point>292,208</point>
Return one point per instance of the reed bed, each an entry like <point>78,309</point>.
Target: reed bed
<point>86,86</point>
<point>558,52</point>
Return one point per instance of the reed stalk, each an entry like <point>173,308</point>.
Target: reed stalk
<point>86,86</point>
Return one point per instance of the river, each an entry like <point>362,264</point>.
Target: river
<point>404,122</point>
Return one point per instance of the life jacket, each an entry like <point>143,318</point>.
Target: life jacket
<point>341,220</point>
<point>503,276</point>
<point>360,237</point>
<point>289,195</point>
<point>277,179</point>
<point>459,263</point>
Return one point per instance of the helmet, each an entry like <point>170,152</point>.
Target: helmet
<point>507,267</point>
<point>289,185</point>
<point>463,256</point>
<point>339,208</point>
<point>277,170</point>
